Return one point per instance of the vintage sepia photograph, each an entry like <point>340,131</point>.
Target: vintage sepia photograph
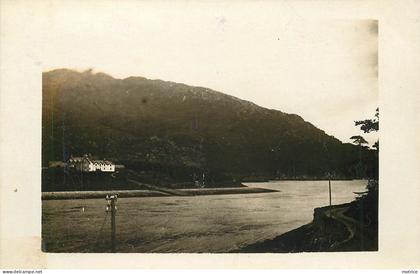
<point>217,134</point>
<point>214,135</point>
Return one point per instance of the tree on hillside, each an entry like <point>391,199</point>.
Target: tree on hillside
<point>367,126</point>
<point>358,140</point>
<point>370,125</point>
<point>376,145</point>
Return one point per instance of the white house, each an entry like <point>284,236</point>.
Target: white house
<point>86,164</point>
<point>103,165</point>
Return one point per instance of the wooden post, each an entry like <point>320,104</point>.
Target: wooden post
<point>329,191</point>
<point>112,199</point>
<point>113,224</point>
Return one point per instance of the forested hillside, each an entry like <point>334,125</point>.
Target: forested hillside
<point>174,131</point>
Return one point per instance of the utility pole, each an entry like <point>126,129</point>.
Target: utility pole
<point>328,174</point>
<point>112,200</point>
<point>329,190</point>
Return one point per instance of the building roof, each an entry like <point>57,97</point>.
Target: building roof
<point>90,161</point>
<point>102,162</point>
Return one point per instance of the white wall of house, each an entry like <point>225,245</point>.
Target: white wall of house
<point>87,165</point>
<point>107,167</point>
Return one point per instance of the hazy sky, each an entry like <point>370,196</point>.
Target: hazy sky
<point>323,70</point>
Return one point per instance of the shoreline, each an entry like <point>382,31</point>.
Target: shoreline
<point>64,195</point>
<point>300,179</point>
<point>332,229</point>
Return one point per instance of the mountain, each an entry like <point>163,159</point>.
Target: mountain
<point>176,130</point>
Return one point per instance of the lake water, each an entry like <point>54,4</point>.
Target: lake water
<point>214,223</point>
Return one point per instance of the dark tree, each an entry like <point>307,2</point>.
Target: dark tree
<point>369,125</point>
<point>358,140</point>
